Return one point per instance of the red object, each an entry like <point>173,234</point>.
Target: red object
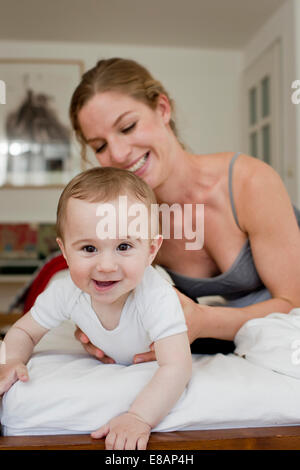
<point>58,263</point>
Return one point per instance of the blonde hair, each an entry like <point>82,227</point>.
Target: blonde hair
<point>102,184</point>
<point>121,75</point>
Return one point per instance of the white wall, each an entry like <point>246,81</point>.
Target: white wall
<point>282,26</point>
<point>204,84</point>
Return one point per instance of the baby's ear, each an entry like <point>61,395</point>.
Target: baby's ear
<point>155,245</point>
<point>61,246</point>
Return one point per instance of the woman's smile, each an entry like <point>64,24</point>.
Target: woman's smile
<point>139,166</point>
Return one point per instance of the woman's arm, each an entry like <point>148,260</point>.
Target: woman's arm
<point>205,321</point>
<point>266,215</point>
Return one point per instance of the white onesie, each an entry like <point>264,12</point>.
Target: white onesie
<point>152,311</point>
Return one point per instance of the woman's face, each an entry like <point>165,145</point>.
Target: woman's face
<point>126,133</point>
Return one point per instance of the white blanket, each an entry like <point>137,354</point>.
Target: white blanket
<point>70,392</point>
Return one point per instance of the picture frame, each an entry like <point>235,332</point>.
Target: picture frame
<point>37,145</point>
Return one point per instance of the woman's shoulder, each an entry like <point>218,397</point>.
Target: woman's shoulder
<point>243,162</point>
<point>252,175</point>
<point>246,173</point>
<point>248,164</point>
<point>219,163</point>
<point>255,183</point>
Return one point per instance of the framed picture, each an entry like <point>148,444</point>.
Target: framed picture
<point>37,147</point>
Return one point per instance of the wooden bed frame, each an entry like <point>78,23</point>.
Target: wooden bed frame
<point>262,438</point>
<point>270,438</point>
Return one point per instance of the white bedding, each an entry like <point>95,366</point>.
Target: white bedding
<point>70,392</point>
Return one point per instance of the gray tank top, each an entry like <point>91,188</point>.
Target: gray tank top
<point>239,281</point>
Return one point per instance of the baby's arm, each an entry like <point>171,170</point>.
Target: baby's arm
<point>19,343</point>
<point>168,383</point>
<point>132,429</point>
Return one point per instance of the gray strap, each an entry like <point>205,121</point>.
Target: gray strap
<point>230,176</point>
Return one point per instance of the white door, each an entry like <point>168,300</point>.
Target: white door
<point>262,102</point>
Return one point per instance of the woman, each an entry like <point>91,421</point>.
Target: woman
<point>251,252</point>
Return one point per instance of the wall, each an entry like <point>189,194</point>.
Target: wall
<point>296,108</point>
<point>204,84</point>
<point>282,26</point>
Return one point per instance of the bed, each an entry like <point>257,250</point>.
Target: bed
<point>248,399</point>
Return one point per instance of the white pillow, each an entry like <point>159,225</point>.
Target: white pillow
<point>71,392</point>
<point>272,342</point>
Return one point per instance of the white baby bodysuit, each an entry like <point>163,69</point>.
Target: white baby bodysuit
<point>152,311</point>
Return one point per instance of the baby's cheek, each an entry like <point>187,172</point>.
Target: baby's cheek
<point>78,274</point>
<point>137,272</point>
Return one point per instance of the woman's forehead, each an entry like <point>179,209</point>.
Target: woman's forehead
<point>105,110</point>
<point>111,102</point>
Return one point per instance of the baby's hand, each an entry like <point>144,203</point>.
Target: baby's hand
<point>125,432</point>
<point>10,373</point>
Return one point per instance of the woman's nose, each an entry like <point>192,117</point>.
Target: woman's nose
<point>119,150</point>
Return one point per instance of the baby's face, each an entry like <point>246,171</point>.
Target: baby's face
<point>107,268</point>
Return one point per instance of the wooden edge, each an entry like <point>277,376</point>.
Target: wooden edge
<point>267,438</point>
<point>9,318</point>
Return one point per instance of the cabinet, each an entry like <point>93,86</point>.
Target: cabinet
<point>10,285</point>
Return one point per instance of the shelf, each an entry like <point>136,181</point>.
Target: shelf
<point>14,278</point>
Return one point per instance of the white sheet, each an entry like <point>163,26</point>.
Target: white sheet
<point>70,392</point>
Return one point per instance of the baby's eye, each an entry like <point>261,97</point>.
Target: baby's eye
<point>124,247</point>
<point>89,249</point>
<point>129,128</point>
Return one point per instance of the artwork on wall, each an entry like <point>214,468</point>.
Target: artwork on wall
<point>37,146</point>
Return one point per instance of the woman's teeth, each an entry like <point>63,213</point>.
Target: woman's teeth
<point>139,163</point>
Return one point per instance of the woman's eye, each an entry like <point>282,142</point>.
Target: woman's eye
<point>124,247</point>
<point>129,128</point>
<point>89,249</point>
<point>100,149</point>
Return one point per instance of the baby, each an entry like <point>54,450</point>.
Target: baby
<point>114,295</point>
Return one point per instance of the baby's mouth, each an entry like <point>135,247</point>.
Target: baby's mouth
<point>103,286</point>
<point>105,283</point>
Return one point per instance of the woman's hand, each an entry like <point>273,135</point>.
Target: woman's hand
<point>191,312</point>
<point>91,349</point>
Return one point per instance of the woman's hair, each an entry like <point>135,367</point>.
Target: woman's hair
<point>101,184</point>
<point>120,75</point>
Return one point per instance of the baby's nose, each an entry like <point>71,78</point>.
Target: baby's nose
<point>106,264</point>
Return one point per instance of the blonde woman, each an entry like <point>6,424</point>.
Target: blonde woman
<point>251,251</point>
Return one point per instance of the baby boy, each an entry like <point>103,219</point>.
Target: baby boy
<point>114,295</point>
